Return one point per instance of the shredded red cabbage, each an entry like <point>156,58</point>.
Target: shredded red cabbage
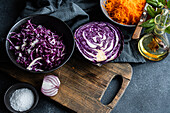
<point>37,48</point>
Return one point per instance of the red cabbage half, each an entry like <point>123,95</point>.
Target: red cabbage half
<point>37,48</point>
<point>99,42</point>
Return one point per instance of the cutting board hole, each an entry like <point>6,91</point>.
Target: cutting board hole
<point>112,90</point>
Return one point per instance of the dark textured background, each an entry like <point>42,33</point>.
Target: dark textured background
<point>148,91</point>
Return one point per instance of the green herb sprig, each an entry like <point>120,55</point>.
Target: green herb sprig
<point>154,8</point>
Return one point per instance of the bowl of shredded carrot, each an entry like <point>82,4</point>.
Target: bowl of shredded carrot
<point>123,12</point>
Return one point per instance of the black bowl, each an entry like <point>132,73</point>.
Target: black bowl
<point>55,25</point>
<point>13,88</point>
<point>107,15</point>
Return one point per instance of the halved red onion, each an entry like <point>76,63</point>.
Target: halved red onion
<point>50,85</point>
<point>99,42</point>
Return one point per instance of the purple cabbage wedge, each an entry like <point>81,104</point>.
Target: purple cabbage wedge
<point>37,48</point>
<point>99,42</point>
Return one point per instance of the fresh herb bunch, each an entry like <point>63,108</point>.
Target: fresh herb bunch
<point>154,8</point>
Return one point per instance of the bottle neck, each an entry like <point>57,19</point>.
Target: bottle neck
<point>159,30</point>
<point>161,22</point>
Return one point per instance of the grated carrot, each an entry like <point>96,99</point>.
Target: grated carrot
<point>126,12</point>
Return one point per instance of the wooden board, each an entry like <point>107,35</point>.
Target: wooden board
<point>82,83</point>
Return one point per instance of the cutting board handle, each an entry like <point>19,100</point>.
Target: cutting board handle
<point>77,88</point>
<point>124,85</point>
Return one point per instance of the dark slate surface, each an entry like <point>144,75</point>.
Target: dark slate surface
<point>148,91</point>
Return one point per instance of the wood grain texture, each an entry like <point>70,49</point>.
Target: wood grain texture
<point>82,83</point>
<point>137,32</point>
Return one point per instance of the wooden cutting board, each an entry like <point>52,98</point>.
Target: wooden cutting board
<point>82,83</point>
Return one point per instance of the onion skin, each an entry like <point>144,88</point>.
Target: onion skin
<point>50,85</point>
<point>99,42</point>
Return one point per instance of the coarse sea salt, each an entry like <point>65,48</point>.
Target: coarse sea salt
<point>22,99</point>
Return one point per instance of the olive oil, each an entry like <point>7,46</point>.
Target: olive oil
<point>150,49</point>
<point>155,46</point>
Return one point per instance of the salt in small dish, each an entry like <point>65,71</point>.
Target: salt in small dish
<point>18,86</point>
